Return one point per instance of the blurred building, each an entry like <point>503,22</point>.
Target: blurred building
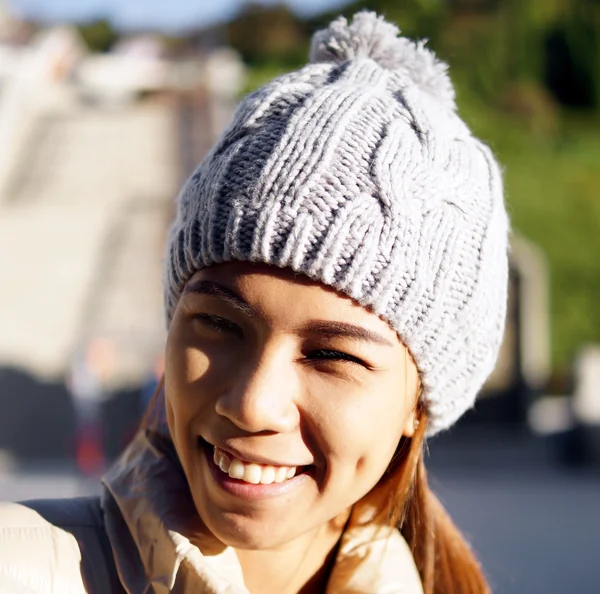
<point>92,152</point>
<point>12,29</point>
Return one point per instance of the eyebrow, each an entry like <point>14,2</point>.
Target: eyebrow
<point>324,328</point>
<point>213,289</point>
<point>327,329</point>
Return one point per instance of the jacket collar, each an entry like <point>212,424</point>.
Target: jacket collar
<point>148,509</point>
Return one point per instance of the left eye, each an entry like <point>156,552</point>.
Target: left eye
<point>330,355</point>
<point>218,324</point>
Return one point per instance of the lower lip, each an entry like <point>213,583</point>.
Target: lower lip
<point>248,490</point>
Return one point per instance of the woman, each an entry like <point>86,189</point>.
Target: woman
<point>335,292</point>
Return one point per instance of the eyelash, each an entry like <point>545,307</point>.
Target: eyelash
<point>217,323</point>
<point>330,355</point>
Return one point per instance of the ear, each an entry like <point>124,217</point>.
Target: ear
<point>411,423</point>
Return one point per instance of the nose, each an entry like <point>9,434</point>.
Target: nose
<point>262,397</point>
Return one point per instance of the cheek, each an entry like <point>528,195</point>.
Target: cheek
<point>362,434</point>
<point>188,374</point>
<point>378,435</point>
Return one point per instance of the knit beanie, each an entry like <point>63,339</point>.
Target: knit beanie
<point>357,172</point>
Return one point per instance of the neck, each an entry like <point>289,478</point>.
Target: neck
<point>301,566</point>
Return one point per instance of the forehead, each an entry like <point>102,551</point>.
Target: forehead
<point>282,293</point>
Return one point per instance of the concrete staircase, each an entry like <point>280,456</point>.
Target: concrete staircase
<point>83,216</point>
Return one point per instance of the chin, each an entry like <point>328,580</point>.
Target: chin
<point>249,534</point>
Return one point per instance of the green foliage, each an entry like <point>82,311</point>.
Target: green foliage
<point>263,33</point>
<point>99,36</point>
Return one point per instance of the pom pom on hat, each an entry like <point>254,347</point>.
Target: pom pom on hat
<point>370,36</point>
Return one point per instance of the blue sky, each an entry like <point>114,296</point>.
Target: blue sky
<point>163,14</point>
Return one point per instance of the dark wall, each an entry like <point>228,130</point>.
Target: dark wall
<point>37,420</point>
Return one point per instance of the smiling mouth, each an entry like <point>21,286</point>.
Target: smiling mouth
<point>252,473</point>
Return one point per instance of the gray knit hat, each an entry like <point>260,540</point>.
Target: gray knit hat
<point>357,172</point>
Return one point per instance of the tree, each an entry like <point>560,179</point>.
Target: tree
<point>262,33</point>
<point>99,36</point>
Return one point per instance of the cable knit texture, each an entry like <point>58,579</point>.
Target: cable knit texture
<point>357,171</point>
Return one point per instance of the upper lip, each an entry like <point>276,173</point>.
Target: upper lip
<point>252,458</point>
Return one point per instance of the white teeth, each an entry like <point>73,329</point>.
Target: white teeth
<point>236,469</point>
<point>224,464</point>
<point>280,474</point>
<point>268,475</point>
<point>252,473</point>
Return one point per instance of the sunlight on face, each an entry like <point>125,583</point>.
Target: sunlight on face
<point>282,372</point>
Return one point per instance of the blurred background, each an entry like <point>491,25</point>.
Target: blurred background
<point>106,107</point>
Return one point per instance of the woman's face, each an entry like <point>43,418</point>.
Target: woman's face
<point>271,375</point>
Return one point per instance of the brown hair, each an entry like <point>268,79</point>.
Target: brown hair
<point>443,558</point>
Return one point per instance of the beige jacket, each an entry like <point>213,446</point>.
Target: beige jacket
<point>133,539</point>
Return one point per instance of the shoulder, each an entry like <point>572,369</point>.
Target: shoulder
<point>78,511</point>
<point>53,546</point>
